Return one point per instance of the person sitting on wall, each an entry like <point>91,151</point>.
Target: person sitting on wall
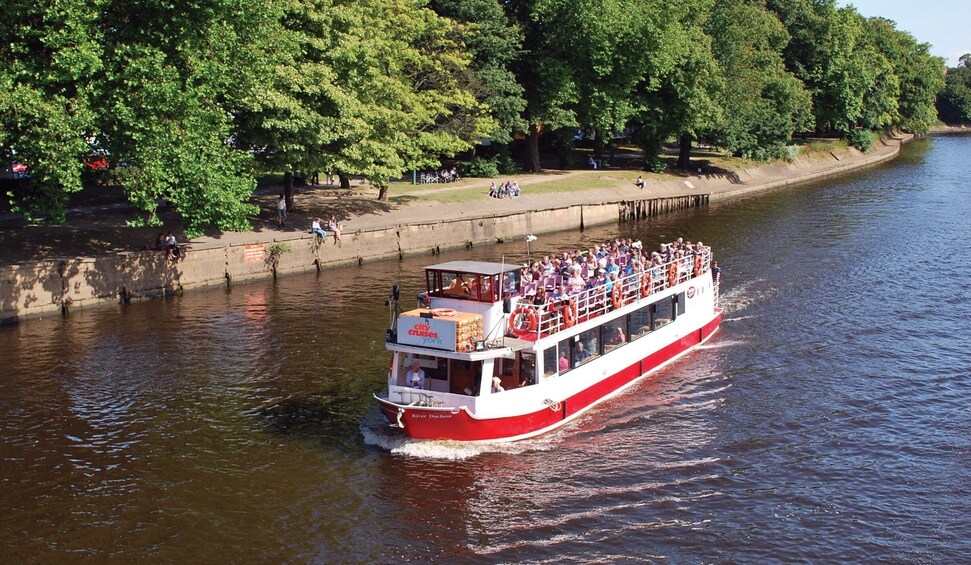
<point>336,228</point>
<point>639,183</point>
<point>171,247</point>
<point>416,375</point>
<point>316,228</point>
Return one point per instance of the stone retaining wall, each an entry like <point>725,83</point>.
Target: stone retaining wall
<point>46,287</point>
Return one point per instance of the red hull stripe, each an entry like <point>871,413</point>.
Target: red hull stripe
<point>461,426</point>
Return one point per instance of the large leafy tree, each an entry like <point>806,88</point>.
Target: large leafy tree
<point>49,62</point>
<point>681,99</point>
<point>954,102</point>
<point>370,88</point>
<point>919,74</point>
<point>165,101</point>
<point>494,42</point>
<point>763,103</point>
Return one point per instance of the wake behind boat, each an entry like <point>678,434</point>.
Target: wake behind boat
<point>498,352</point>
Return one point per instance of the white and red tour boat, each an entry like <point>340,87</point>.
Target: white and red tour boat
<point>484,359</point>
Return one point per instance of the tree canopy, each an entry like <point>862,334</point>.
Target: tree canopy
<point>189,102</point>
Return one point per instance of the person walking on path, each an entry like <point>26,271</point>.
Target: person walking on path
<point>281,210</point>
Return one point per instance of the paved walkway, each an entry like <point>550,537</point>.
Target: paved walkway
<point>96,230</point>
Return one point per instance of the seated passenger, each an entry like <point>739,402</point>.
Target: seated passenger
<point>497,385</point>
<point>580,354</point>
<point>416,375</point>
<point>618,337</point>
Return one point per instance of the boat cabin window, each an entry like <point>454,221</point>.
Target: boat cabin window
<point>463,286</point>
<point>662,313</point>
<point>614,333</point>
<point>550,365</point>
<point>518,372</point>
<point>679,303</point>
<point>466,376</point>
<point>640,321</point>
<point>586,347</point>
<point>434,367</point>
<point>564,358</point>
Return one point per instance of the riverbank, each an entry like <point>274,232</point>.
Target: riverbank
<point>38,275</point>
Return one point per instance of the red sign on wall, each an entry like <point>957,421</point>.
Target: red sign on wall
<point>254,253</point>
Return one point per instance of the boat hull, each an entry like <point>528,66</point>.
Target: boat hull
<point>458,424</point>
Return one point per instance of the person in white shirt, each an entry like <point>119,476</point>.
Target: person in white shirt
<point>416,375</point>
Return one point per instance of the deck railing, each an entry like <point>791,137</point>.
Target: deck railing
<point>535,320</point>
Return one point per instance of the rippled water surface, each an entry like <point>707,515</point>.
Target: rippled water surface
<point>828,420</point>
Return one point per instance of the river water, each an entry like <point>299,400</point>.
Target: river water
<point>827,421</point>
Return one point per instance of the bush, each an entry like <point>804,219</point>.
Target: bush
<point>655,164</point>
<point>861,139</point>
<point>482,168</point>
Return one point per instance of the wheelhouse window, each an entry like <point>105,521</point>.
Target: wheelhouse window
<point>463,286</point>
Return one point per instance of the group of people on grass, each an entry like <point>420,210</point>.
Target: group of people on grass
<point>508,188</point>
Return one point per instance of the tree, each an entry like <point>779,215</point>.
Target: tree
<point>493,41</point>
<point>370,88</point>
<point>681,99</point>
<point>50,58</point>
<point>763,103</point>
<point>954,102</point>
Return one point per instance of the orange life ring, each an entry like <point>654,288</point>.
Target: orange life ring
<point>697,265</point>
<point>523,320</point>
<point>443,312</point>
<point>673,274</point>
<point>569,314</point>
<point>646,284</point>
<point>615,295</point>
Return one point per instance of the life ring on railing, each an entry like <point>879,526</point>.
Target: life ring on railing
<point>673,274</point>
<point>646,284</point>
<point>615,295</point>
<point>523,320</point>
<point>569,311</point>
<point>443,312</point>
<point>697,265</point>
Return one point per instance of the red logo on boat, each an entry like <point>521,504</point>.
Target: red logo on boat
<point>691,292</point>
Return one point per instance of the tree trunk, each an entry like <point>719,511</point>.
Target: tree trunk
<point>684,151</point>
<point>383,194</point>
<point>345,180</point>
<point>288,188</point>
<point>532,149</point>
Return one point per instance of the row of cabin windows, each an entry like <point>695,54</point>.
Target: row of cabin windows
<point>587,346</point>
<point>565,356</point>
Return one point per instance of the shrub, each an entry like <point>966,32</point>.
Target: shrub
<point>482,168</point>
<point>862,139</point>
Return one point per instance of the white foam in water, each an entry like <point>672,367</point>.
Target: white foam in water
<point>721,344</point>
<point>389,439</point>
<point>745,295</point>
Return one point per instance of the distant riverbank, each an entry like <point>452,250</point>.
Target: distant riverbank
<point>62,283</point>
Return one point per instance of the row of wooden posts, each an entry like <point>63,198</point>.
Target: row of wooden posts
<point>640,209</point>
